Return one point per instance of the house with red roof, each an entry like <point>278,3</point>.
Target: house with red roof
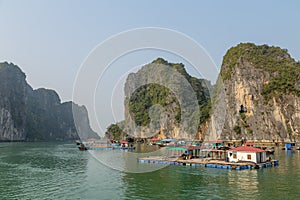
<point>247,153</point>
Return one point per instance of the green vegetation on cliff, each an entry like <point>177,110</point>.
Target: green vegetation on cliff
<point>115,131</point>
<point>264,81</point>
<point>145,97</point>
<point>285,81</point>
<point>284,71</point>
<point>150,94</point>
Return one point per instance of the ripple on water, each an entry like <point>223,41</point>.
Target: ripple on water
<point>60,171</point>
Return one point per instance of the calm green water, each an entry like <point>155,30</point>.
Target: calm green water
<point>60,171</point>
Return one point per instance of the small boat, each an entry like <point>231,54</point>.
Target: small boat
<point>167,142</point>
<point>82,147</point>
<point>290,146</point>
<point>270,150</point>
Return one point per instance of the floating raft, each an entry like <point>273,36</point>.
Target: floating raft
<point>208,163</point>
<point>110,148</point>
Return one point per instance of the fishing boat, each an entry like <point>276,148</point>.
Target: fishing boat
<point>291,146</point>
<point>82,147</point>
<point>167,142</point>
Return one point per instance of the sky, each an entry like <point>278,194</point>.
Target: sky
<point>50,39</point>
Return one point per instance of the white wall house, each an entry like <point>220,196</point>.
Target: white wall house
<point>247,153</point>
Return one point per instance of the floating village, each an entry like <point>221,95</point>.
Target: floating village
<point>236,155</point>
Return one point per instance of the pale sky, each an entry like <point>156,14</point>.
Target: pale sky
<point>49,39</point>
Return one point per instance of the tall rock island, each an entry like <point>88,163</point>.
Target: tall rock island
<point>256,97</point>
<point>163,100</point>
<point>34,115</point>
<point>260,93</point>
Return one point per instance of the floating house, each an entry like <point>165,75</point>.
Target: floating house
<point>124,143</point>
<point>233,143</point>
<point>196,151</point>
<point>178,151</point>
<point>249,144</point>
<point>242,157</point>
<point>217,143</point>
<point>247,153</point>
<point>214,144</point>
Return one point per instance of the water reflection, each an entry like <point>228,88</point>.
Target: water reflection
<point>60,171</point>
<point>180,182</point>
<point>161,184</point>
<point>245,183</point>
<point>281,182</point>
<point>177,182</point>
<point>102,182</point>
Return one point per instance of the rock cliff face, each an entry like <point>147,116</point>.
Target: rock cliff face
<point>256,97</point>
<point>260,95</point>
<point>163,100</point>
<point>33,115</point>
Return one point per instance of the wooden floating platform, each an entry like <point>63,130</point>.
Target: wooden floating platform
<point>110,148</point>
<point>208,163</point>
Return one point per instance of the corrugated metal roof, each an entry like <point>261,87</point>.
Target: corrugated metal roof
<point>247,149</point>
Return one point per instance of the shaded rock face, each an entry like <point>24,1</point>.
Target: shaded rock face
<point>33,115</point>
<point>259,103</point>
<point>13,96</point>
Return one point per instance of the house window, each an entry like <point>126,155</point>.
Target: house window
<point>234,156</point>
<point>249,156</point>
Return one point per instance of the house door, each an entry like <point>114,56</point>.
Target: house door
<point>261,157</point>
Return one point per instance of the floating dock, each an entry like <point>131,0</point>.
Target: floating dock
<point>110,148</point>
<point>207,163</point>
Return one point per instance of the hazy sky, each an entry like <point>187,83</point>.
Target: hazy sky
<point>49,40</point>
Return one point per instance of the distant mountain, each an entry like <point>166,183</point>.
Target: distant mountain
<point>35,115</point>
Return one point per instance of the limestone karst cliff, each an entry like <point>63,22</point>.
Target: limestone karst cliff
<point>163,100</point>
<point>258,95</point>
<point>34,115</point>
